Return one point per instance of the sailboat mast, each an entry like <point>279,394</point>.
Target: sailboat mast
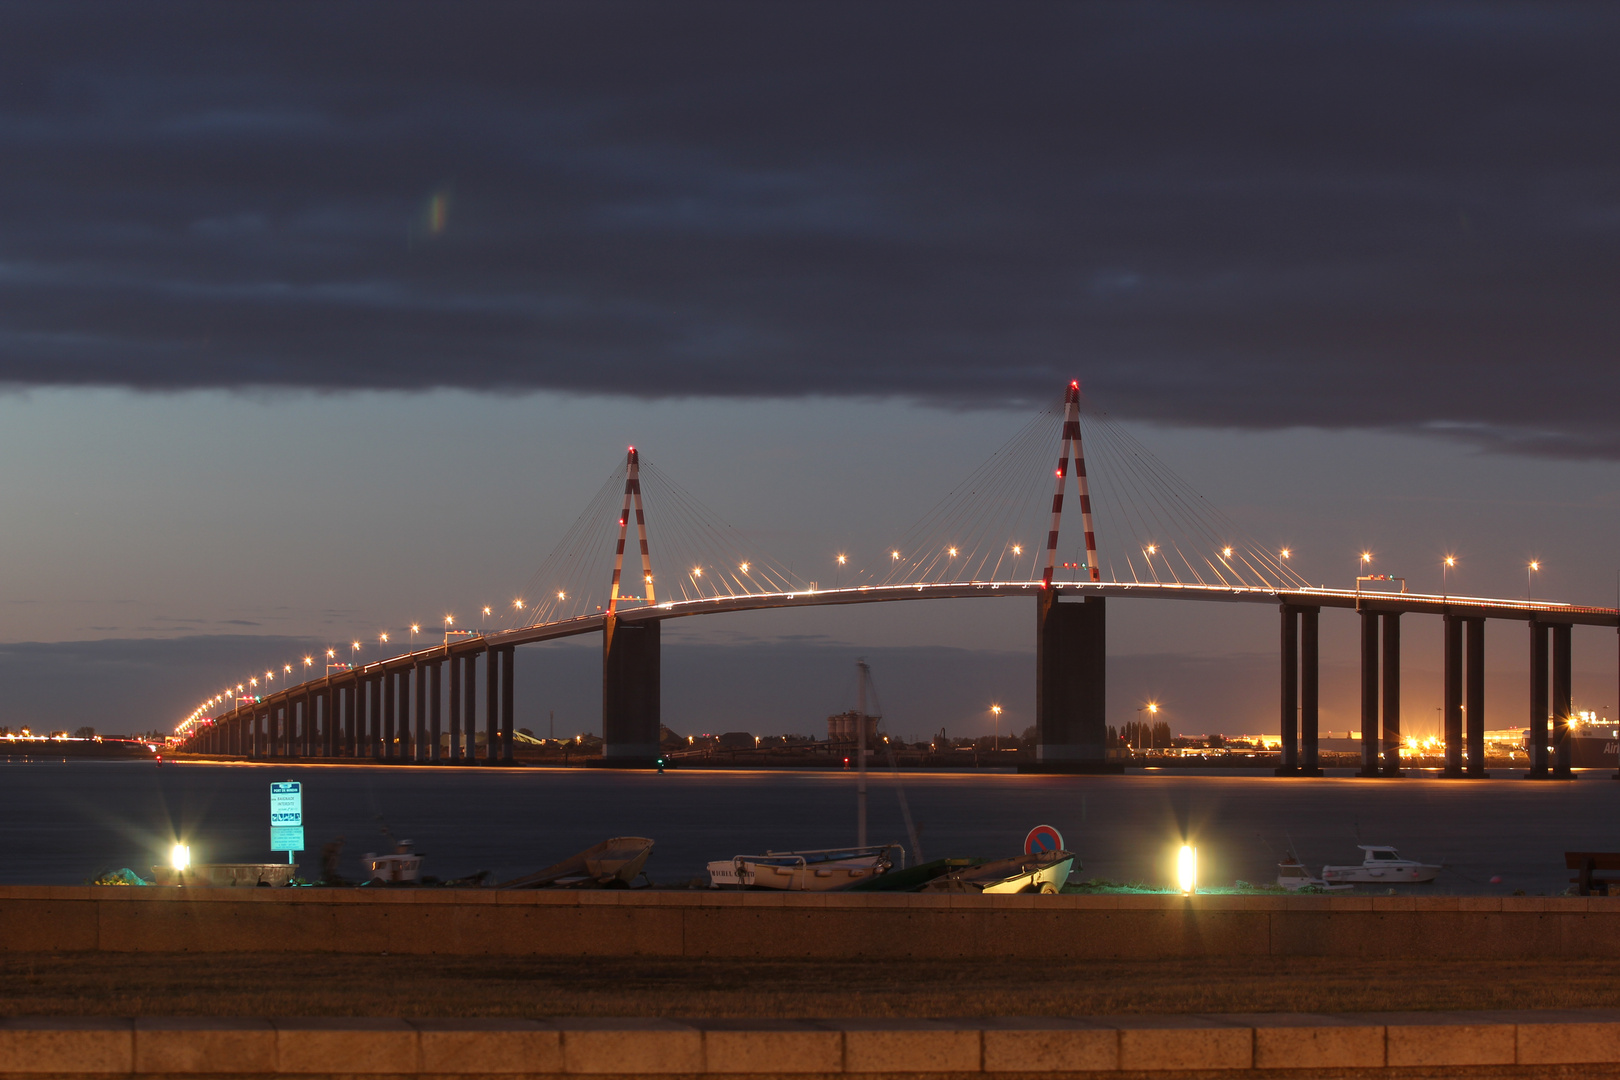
<point>861,673</point>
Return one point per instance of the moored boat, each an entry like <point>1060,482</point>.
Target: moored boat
<point>821,870</point>
<point>1381,865</point>
<point>612,864</point>
<point>1040,872</point>
<point>403,867</point>
<point>1292,875</point>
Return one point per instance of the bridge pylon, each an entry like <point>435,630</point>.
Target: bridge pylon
<point>631,670</point>
<point>1072,448</point>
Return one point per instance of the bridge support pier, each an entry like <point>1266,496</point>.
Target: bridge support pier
<point>469,702</point>
<point>632,693</point>
<point>436,700</point>
<point>1289,741</point>
<point>389,716</point>
<point>1392,694</point>
<point>419,731</point>
<point>1538,701</point>
<point>507,710</point>
<point>1563,748</point>
<point>1452,698</point>
<point>492,691</point>
<point>1071,664</point>
<point>455,710</point>
<point>1380,744</point>
<point>1300,694</point>
<point>1474,699</point>
<point>1369,693</point>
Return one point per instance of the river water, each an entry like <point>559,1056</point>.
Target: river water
<point>62,822</point>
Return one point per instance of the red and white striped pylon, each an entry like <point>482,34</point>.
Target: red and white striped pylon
<point>1071,447</point>
<point>632,493</point>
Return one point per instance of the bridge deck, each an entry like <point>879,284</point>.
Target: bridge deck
<point>1406,603</point>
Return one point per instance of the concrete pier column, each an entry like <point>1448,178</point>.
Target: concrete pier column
<point>331,701</point>
<point>1289,710</point>
<point>1451,705</point>
<point>632,693</point>
<point>407,738</point>
<point>1392,693</point>
<point>1071,703</point>
<point>389,718</point>
<point>1538,701</point>
<point>1369,693</point>
<point>435,699</point>
<point>506,705</point>
<point>1563,749</point>
<point>469,705</point>
<point>1474,694</point>
<point>373,711</point>
<point>1309,693</point>
<point>492,705</point>
<point>455,709</point>
<point>351,717</point>
<point>419,751</point>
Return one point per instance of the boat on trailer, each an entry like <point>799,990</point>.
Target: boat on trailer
<point>819,870</point>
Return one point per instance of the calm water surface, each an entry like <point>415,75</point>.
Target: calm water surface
<point>62,822</point>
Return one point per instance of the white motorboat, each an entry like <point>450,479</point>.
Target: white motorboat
<point>822,870</point>
<point>1381,865</point>
<point>1292,875</point>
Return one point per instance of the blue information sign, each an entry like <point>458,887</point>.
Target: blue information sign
<point>287,816</point>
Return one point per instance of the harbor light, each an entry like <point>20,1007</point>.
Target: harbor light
<point>1187,869</point>
<point>181,857</point>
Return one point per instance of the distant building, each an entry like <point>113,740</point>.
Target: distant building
<point>737,740</point>
<point>842,728</point>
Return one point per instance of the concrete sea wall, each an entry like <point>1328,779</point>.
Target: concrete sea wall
<point>1563,1043</point>
<point>784,926</point>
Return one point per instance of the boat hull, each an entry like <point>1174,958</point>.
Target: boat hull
<point>1380,875</point>
<point>824,877</point>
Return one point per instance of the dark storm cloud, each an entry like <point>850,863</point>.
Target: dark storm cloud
<point>1401,216</point>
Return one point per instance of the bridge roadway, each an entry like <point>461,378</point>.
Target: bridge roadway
<point>322,717</point>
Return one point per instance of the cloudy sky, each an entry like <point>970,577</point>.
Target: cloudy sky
<point>317,319</point>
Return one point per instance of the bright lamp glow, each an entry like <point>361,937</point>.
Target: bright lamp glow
<point>181,856</point>
<point>1187,869</point>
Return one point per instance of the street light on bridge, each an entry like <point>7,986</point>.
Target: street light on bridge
<point>1535,565</point>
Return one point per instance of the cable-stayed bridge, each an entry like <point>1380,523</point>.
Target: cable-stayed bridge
<point>645,551</point>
